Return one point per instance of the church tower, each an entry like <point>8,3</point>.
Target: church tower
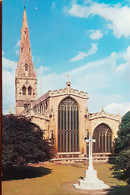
<point>26,77</point>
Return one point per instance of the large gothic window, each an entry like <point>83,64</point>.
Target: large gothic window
<point>29,90</point>
<point>68,126</point>
<point>24,90</point>
<point>103,136</point>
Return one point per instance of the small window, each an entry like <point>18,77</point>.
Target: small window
<point>21,49</point>
<point>26,67</point>
<point>24,90</point>
<point>29,90</point>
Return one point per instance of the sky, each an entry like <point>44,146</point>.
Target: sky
<point>89,39</point>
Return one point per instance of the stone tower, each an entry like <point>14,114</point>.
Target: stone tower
<point>26,77</point>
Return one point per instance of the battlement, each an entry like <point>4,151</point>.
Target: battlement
<point>70,92</point>
<point>104,114</point>
<point>60,92</point>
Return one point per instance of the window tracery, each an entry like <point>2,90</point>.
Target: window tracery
<point>68,126</point>
<point>103,136</point>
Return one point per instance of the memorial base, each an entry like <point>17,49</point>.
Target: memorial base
<point>91,182</point>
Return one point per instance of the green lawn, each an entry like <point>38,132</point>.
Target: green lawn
<point>52,179</point>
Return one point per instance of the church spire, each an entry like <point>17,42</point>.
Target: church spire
<point>25,64</point>
<point>26,77</point>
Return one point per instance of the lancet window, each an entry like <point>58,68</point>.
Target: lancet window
<point>26,67</point>
<point>103,136</point>
<point>29,90</point>
<point>68,126</point>
<point>24,90</point>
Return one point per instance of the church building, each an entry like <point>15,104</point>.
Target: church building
<point>62,114</point>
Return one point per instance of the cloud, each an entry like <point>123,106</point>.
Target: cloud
<point>3,53</point>
<point>81,55</point>
<point>8,84</point>
<point>53,5</point>
<point>17,52</point>
<point>42,70</point>
<point>8,64</point>
<point>18,44</point>
<point>87,1</point>
<point>99,78</point>
<point>124,68</point>
<point>95,34</point>
<point>17,48</point>
<point>115,108</point>
<point>38,60</point>
<point>117,17</point>
<point>96,78</point>
<point>8,90</point>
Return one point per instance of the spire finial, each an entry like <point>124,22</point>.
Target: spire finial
<point>68,83</point>
<point>24,4</point>
<point>68,77</point>
<point>24,18</point>
<point>102,110</point>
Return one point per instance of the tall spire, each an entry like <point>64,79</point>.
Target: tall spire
<point>25,64</point>
<point>26,77</point>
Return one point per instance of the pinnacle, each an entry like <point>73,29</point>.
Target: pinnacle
<point>25,25</point>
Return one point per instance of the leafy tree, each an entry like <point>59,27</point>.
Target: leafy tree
<point>22,142</point>
<point>122,149</point>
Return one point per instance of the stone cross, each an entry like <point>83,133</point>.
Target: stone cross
<point>90,140</point>
<point>68,77</point>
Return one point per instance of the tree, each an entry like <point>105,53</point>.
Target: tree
<point>22,142</point>
<point>122,149</point>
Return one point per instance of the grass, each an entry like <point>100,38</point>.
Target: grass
<point>58,179</point>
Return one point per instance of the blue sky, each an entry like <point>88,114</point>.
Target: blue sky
<point>88,39</point>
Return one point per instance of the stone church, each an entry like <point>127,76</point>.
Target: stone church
<point>62,114</point>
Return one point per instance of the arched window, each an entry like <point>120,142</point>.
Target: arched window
<point>103,136</point>
<point>29,90</point>
<point>26,67</point>
<point>68,126</point>
<point>24,90</point>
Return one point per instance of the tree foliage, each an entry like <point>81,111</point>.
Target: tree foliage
<point>22,142</point>
<point>122,149</point>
